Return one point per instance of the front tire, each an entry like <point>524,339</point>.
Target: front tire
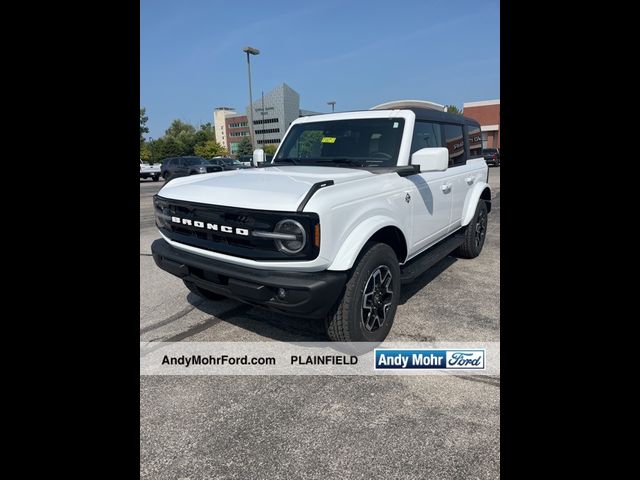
<point>206,294</point>
<point>366,311</point>
<point>156,178</point>
<point>474,234</point>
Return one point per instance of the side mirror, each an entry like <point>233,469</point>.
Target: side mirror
<point>258,157</point>
<point>435,159</point>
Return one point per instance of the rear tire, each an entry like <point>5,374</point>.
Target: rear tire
<point>474,234</point>
<point>367,308</point>
<point>203,293</point>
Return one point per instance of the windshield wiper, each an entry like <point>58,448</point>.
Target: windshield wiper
<point>291,160</point>
<point>348,161</point>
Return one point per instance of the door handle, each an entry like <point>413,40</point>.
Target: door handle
<point>469,180</point>
<point>446,188</point>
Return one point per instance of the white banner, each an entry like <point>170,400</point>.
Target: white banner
<point>319,358</point>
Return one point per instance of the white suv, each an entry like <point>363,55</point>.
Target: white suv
<point>353,205</point>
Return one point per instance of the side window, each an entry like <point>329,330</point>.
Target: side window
<point>455,144</point>
<point>474,136</point>
<point>170,162</point>
<point>426,135</point>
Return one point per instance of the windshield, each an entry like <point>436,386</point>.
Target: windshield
<point>194,161</point>
<point>365,142</point>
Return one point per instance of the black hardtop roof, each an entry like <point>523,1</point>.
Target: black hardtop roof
<point>429,114</point>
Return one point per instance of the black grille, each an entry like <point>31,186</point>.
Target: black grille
<point>202,216</point>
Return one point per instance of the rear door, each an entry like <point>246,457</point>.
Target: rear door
<point>167,166</point>
<point>463,174</point>
<point>181,167</point>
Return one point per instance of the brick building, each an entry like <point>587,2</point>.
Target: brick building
<point>236,127</point>
<point>487,113</point>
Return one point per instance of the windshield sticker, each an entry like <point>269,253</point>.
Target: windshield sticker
<point>328,139</point>
<point>395,124</point>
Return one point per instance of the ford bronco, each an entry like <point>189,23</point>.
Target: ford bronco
<point>352,206</point>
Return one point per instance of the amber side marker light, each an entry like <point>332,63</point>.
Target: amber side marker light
<point>316,235</point>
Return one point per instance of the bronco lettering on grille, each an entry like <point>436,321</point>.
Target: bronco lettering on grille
<point>210,226</point>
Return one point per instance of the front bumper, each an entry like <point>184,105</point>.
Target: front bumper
<point>307,294</point>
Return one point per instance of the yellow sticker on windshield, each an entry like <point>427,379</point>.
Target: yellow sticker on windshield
<point>328,139</point>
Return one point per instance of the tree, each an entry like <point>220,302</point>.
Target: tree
<point>245,147</point>
<point>453,109</point>
<point>210,149</point>
<point>145,152</point>
<point>178,127</point>
<point>169,147</point>
<point>143,124</point>
<point>270,149</point>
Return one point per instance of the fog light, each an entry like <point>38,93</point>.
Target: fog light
<point>282,293</point>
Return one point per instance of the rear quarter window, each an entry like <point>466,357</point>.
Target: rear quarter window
<point>474,136</point>
<point>455,144</point>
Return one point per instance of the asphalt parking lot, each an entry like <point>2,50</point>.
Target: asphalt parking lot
<point>250,427</point>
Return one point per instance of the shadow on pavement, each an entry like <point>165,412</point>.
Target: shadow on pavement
<point>280,327</point>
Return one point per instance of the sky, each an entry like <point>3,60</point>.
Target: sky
<point>357,52</point>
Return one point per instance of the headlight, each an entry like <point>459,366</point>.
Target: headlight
<point>202,169</point>
<point>297,236</point>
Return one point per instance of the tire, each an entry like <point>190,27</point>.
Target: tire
<point>166,176</point>
<point>156,178</point>
<point>349,321</point>
<point>203,293</point>
<point>475,233</point>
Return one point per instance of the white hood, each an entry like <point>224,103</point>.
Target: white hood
<point>271,188</point>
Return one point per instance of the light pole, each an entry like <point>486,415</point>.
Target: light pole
<point>250,51</point>
<point>151,151</point>
<point>333,104</point>
<point>263,114</point>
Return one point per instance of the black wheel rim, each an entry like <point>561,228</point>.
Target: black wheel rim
<point>481,228</point>
<point>377,298</point>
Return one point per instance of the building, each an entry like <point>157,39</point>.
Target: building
<point>219,115</point>
<point>487,114</point>
<point>237,127</point>
<point>273,113</point>
<point>270,121</point>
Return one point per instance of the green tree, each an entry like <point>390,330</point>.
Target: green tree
<point>209,149</point>
<point>245,147</point>
<point>143,124</point>
<point>178,128</point>
<point>205,134</point>
<point>156,150</point>
<point>169,147</point>
<point>453,109</point>
<point>145,152</point>
<point>270,149</point>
